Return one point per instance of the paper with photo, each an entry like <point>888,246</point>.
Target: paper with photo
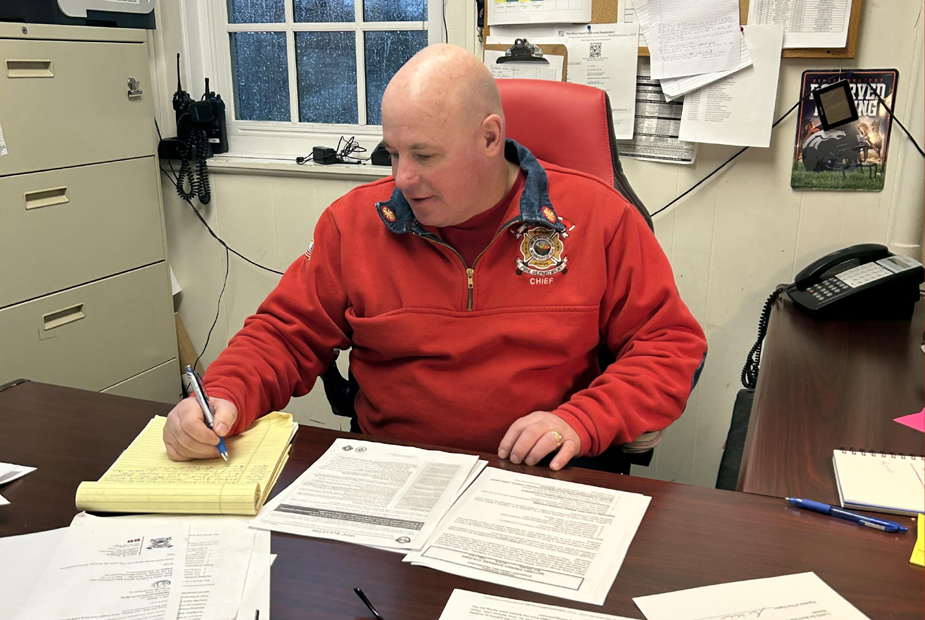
<point>739,109</point>
<point>538,12</point>
<point>549,70</point>
<point>791,597</point>
<point>539,534</point>
<point>106,569</point>
<point>807,23</point>
<point>370,494</point>
<point>465,605</point>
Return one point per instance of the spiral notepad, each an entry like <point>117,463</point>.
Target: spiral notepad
<point>879,482</point>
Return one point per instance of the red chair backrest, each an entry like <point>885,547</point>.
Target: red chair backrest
<point>561,123</point>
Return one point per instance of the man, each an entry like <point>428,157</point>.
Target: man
<point>474,288</point>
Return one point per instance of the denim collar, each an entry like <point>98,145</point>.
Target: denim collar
<point>535,206</point>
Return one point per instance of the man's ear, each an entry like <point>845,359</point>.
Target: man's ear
<point>492,134</point>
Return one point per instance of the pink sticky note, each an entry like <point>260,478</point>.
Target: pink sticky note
<point>915,420</point>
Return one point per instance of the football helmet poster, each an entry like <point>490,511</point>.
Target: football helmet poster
<point>852,156</point>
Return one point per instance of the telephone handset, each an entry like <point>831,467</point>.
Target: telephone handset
<point>861,281</point>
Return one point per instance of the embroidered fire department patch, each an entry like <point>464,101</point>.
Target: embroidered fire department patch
<point>308,252</point>
<point>388,214</point>
<point>549,215</point>
<point>541,251</point>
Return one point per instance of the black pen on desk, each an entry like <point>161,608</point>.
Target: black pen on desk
<point>366,602</point>
<point>834,511</point>
<point>202,398</point>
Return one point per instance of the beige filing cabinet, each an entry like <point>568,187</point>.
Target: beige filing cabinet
<point>84,287</point>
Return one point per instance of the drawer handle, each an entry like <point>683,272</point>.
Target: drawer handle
<point>30,69</point>
<point>63,317</point>
<point>46,198</point>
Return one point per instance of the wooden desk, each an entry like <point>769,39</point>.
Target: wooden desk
<point>826,385</point>
<point>689,537</point>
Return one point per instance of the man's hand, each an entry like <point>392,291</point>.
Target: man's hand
<point>531,438</point>
<point>186,435</point>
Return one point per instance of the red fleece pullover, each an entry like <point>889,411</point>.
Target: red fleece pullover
<point>446,360</point>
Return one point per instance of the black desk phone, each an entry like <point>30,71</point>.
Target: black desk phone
<point>861,281</point>
<point>864,281</point>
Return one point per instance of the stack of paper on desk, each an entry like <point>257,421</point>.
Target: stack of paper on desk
<point>156,568</point>
<point>371,494</point>
<point>144,479</point>
<point>550,536</point>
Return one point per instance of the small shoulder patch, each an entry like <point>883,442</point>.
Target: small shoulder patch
<point>308,252</point>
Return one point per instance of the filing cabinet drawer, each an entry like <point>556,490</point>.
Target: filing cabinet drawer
<point>66,103</point>
<point>92,336</point>
<point>160,384</point>
<point>67,227</point>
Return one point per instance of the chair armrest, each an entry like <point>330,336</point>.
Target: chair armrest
<point>643,443</point>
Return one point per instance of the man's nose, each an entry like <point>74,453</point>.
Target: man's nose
<point>406,175</point>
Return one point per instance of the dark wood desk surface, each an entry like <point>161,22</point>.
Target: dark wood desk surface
<point>689,537</point>
<point>826,385</point>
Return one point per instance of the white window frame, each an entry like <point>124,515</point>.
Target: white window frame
<point>206,43</point>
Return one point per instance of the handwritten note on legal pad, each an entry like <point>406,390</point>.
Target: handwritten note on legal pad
<point>880,482</point>
<point>144,479</point>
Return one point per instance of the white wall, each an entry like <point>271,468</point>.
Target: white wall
<point>730,242</point>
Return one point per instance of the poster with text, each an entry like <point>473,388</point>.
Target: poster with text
<point>851,156</point>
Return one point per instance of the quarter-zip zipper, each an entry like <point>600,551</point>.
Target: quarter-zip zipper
<point>470,271</point>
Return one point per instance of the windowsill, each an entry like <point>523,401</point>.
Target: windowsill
<point>231,164</point>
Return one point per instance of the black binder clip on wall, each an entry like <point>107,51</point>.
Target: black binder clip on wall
<point>523,51</point>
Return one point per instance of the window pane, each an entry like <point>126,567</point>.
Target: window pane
<point>395,10</point>
<point>324,11</point>
<point>256,12</point>
<point>260,71</point>
<point>386,52</point>
<point>327,74</point>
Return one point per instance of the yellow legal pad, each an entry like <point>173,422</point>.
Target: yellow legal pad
<point>144,479</point>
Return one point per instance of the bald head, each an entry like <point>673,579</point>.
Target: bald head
<point>448,80</point>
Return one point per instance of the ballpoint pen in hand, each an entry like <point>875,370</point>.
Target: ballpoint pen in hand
<point>202,398</point>
<point>366,602</point>
<point>841,513</point>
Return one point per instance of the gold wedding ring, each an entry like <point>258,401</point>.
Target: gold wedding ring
<point>558,437</point>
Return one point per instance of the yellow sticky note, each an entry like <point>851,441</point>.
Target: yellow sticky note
<point>144,479</point>
<point>918,554</point>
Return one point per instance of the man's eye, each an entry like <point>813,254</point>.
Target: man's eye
<point>423,157</point>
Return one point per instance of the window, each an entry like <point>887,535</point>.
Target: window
<point>301,69</point>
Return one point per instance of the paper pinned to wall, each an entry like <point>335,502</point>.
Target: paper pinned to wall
<point>739,109</point>
<point>626,14</point>
<point>675,88</point>
<point>538,11</point>
<point>690,37</point>
<point>3,150</point>
<point>807,23</point>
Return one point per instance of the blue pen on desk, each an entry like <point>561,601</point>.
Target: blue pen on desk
<point>841,513</point>
<point>202,398</point>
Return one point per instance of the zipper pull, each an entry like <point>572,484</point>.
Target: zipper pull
<point>469,274</point>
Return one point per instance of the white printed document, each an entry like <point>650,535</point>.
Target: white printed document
<point>539,534</point>
<point>791,597</point>
<point>738,109</point>
<point>108,569</point>
<point>465,605</point>
<point>538,11</point>
<point>370,494</point>
<point>10,472</point>
<point>690,37</point>
<point>807,23</point>
<point>24,559</point>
